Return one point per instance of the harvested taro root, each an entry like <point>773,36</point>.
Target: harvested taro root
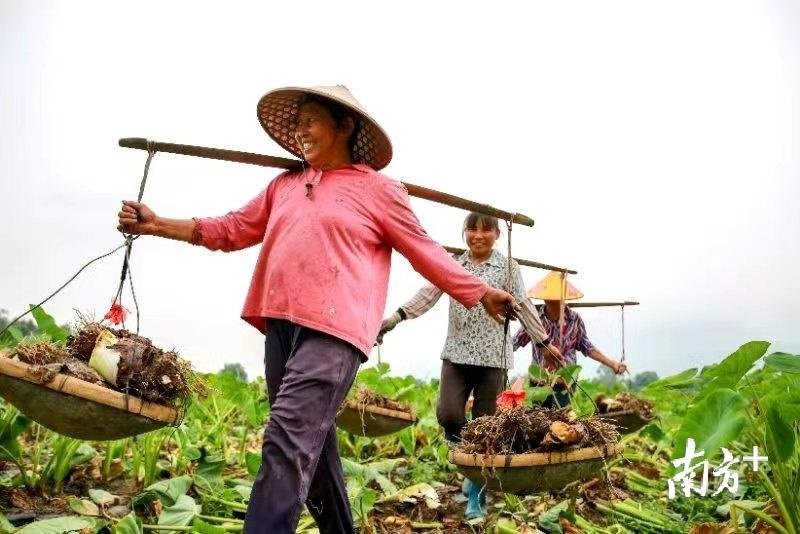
<point>367,397</point>
<point>624,401</point>
<point>116,359</point>
<point>524,430</point>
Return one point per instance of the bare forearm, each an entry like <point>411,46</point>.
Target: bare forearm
<point>179,229</point>
<point>598,356</point>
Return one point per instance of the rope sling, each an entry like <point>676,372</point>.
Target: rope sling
<point>74,407</point>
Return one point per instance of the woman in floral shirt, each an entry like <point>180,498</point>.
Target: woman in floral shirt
<point>477,353</point>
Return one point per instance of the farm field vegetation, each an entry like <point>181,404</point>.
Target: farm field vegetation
<point>196,477</point>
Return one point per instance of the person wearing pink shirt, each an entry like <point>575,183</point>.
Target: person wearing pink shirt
<point>319,287</point>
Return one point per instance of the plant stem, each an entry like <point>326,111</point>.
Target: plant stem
<point>762,516</point>
<point>770,487</point>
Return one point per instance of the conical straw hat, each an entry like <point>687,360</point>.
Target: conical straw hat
<point>278,110</point>
<point>551,287</point>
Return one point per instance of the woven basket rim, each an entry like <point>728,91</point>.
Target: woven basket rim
<point>533,459</point>
<point>76,387</point>
<point>378,410</point>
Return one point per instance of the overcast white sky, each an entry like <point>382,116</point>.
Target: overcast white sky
<point>654,143</point>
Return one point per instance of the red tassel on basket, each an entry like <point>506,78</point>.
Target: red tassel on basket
<point>512,398</point>
<point>117,313</point>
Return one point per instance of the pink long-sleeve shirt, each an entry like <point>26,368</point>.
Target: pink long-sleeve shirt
<point>326,251</point>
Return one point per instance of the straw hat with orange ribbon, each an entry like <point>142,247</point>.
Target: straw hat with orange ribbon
<point>554,286</point>
<point>278,111</point>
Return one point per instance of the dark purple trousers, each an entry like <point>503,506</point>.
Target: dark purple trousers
<point>308,376</point>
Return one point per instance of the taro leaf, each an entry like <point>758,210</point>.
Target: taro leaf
<point>210,467</point>
<point>367,472</point>
<point>569,373</point>
<point>11,337</point>
<point>5,525</point>
<point>537,373</point>
<point>713,423</point>
<point>505,525</point>
<point>243,492</point>
<point>191,453</point>
<point>83,507</point>
<point>179,514</point>
<point>169,490</point>
<point>83,454</point>
<point>102,497</point>
<point>48,325</point>
<point>201,527</point>
<point>550,521</point>
<point>362,505</point>
<point>10,431</point>
<point>728,372</point>
<point>654,432</point>
<point>407,440</point>
<point>130,524</point>
<point>57,525</point>
<point>787,363</point>
<point>253,463</point>
<point>538,394</point>
<point>683,380</point>
<point>780,435</point>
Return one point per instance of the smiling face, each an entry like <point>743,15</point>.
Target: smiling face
<point>480,239</point>
<point>323,143</point>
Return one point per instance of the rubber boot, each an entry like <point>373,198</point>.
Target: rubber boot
<point>476,501</point>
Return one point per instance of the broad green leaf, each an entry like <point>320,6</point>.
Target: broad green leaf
<point>102,497</point>
<point>505,525</point>
<point>366,472</point>
<point>48,325</point>
<point>58,525</point>
<point>179,514</point>
<point>84,507</point>
<point>362,505</point>
<point>654,432</point>
<point>537,373</point>
<point>713,423</point>
<point>780,435</point>
<point>243,492</point>
<point>12,425</point>
<point>537,395</point>
<point>83,454</point>
<point>252,462</point>
<point>201,527</point>
<point>729,371</point>
<point>210,467</point>
<point>11,337</point>
<point>130,524</point>
<point>550,520</point>
<point>682,380</point>
<point>191,453</point>
<point>169,490</point>
<point>780,361</point>
<point>5,525</point>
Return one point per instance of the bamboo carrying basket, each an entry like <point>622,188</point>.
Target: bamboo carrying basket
<point>524,474</point>
<point>79,409</point>
<point>372,421</point>
<point>626,421</point>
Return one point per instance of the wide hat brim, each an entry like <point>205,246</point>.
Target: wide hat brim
<point>278,111</point>
<point>554,287</point>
